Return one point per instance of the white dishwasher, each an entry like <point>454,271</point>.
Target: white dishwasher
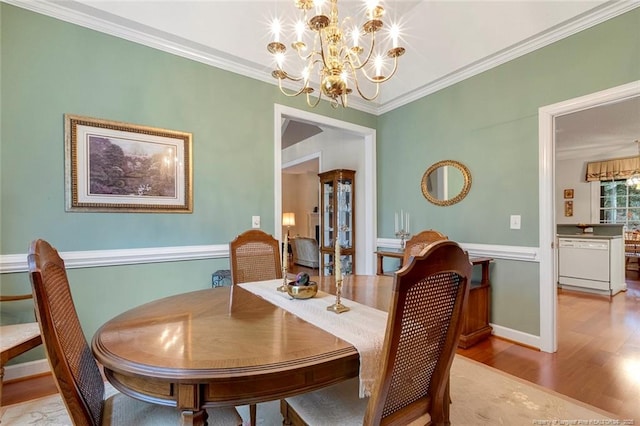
<point>584,263</point>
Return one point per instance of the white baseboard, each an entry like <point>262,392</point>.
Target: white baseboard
<point>26,369</point>
<point>516,336</point>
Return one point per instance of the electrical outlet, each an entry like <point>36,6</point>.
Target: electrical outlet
<point>515,221</point>
<point>255,221</point>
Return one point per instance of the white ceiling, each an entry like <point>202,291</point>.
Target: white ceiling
<point>446,41</point>
<point>605,131</point>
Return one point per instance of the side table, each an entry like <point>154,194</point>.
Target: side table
<point>476,320</point>
<point>475,325</point>
<point>380,254</point>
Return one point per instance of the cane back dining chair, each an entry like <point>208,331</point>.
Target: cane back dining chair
<point>254,256</point>
<point>16,338</point>
<point>75,370</point>
<point>424,324</point>
<point>418,242</point>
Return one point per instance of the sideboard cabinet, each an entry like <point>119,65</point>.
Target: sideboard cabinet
<point>337,192</point>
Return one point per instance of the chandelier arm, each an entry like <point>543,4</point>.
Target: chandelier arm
<point>380,80</point>
<point>364,73</point>
<point>313,104</point>
<point>291,94</point>
<point>288,77</point>
<point>307,57</point>
<point>371,50</point>
<point>365,97</point>
<point>395,68</point>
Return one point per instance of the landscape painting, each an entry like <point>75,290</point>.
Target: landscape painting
<point>120,167</point>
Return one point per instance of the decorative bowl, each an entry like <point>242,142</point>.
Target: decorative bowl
<point>302,291</point>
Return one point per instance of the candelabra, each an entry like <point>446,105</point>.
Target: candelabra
<point>403,235</point>
<point>402,227</point>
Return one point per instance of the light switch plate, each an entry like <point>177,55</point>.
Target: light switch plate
<point>255,221</point>
<point>515,221</point>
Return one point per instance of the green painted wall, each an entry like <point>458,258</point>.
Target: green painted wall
<point>49,68</point>
<point>490,123</point>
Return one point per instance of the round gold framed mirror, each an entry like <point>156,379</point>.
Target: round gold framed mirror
<point>446,182</point>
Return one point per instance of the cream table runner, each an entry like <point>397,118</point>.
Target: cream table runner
<point>362,326</point>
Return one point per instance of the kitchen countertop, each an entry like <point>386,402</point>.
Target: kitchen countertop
<point>597,230</point>
<point>589,236</point>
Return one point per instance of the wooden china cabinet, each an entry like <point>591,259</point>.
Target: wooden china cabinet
<point>337,192</point>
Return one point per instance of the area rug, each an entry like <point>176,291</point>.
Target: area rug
<point>480,395</point>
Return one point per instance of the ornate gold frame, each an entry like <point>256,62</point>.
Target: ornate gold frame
<point>465,188</point>
<point>176,153</point>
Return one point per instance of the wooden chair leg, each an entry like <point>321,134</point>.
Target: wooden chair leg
<point>284,410</point>
<point>1,381</point>
<point>252,414</point>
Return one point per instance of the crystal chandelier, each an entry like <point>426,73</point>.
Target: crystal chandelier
<point>337,62</point>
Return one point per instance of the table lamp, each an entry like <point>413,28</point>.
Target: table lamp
<point>288,220</point>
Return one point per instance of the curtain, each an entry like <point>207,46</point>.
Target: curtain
<point>621,168</point>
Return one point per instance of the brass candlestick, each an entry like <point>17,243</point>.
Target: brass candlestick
<point>283,287</point>
<point>338,307</point>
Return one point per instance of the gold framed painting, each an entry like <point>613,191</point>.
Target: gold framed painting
<point>113,166</point>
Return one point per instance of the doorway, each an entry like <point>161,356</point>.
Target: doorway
<point>300,195</point>
<point>366,233</point>
<point>548,253</point>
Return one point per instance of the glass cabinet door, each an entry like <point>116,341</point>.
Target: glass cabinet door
<point>346,264</point>
<point>327,208</point>
<point>344,215</point>
<point>337,192</point>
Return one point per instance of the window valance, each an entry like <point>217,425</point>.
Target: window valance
<point>620,168</point>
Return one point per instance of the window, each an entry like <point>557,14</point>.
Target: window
<point>619,203</point>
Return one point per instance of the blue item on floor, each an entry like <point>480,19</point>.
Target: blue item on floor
<point>221,278</point>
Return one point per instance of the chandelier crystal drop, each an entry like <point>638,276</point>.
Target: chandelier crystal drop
<point>341,55</point>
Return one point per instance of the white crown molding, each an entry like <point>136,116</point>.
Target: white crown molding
<point>95,19</point>
<point>83,15</point>
<point>607,11</point>
<point>10,263</point>
<point>524,254</point>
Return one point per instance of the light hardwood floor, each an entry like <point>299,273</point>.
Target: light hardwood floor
<point>598,358</point>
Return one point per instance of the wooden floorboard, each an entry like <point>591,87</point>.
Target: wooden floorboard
<point>598,358</point>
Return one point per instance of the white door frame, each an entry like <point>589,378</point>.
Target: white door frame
<point>548,266</point>
<point>369,136</point>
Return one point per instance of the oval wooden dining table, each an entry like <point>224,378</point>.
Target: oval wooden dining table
<point>226,346</point>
